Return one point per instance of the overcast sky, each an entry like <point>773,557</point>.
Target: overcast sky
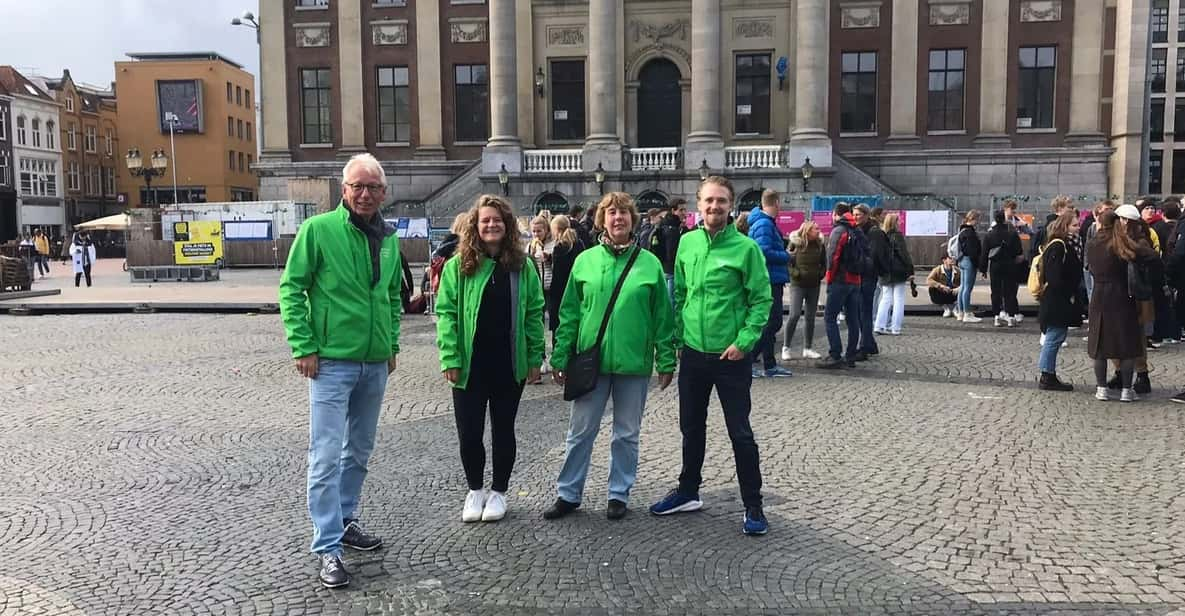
<point>46,36</point>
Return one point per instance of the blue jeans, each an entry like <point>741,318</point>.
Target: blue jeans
<point>1054,337</point>
<point>765,345</point>
<point>629,399</point>
<point>869,292</point>
<point>845,297</point>
<point>344,403</point>
<point>966,284</point>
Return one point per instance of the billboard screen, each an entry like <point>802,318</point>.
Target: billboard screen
<point>180,99</point>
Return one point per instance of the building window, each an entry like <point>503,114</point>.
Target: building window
<point>20,130</point>
<point>394,105</point>
<point>39,178</point>
<point>238,95</point>
<point>250,160</point>
<point>472,102</point>
<point>110,172</point>
<point>72,176</point>
<point>857,113</point>
<point>91,139</point>
<point>944,102</point>
<point>1158,67</point>
<point>242,162</point>
<point>51,132</point>
<point>230,126</point>
<point>752,94</point>
<point>89,181</point>
<point>230,160</point>
<point>5,179</point>
<point>36,133</point>
<point>250,133</point>
<point>314,101</point>
<point>3,124</point>
<point>69,103</point>
<point>1155,171</point>
<point>567,99</point>
<point>71,137</point>
<point>312,3</point>
<point>229,92</point>
<point>1038,72</point>
<point>1160,21</point>
<point>1156,120</point>
<point>388,3</point>
<point>109,142</point>
<point>1181,23</point>
<point>239,128</point>
<point>247,99</point>
<point>1179,120</point>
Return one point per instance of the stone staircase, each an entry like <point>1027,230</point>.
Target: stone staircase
<point>454,197</point>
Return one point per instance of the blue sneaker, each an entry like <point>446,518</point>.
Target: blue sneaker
<point>755,523</point>
<point>676,502</point>
<point>758,372</point>
<point>777,371</point>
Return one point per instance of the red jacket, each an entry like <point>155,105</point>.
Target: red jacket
<point>835,247</point>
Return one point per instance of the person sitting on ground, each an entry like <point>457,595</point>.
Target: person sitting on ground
<point>943,283</point>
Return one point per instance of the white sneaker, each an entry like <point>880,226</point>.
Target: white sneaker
<point>1042,343</point>
<point>1101,393</point>
<point>545,368</point>
<point>811,354</point>
<point>947,313</point>
<point>495,508</point>
<point>786,356</point>
<point>841,318</point>
<point>971,318</point>
<point>998,320</point>
<point>958,314</point>
<point>1010,321</point>
<point>474,503</point>
<point>1128,395</point>
<point>1019,318</point>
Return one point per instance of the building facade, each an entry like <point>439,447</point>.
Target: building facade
<point>8,207</point>
<point>37,154</point>
<point>198,108</point>
<point>954,101</point>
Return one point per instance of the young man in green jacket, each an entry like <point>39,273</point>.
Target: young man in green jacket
<point>339,299</point>
<point>722,303</point>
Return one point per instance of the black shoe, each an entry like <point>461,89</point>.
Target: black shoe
<point>560,509</point>
<point>861,356</point>
<point>333,572</point>
<point>1143,384</point>
<point>1050,382</point>
<point>1151,346</point>
<point>1116,382</point>
<point>616,509</point>
<point>851,363</point>
<point>1179,398</point>
<point>831,363</point>
<point>873,352</point>
<point>355,538</point>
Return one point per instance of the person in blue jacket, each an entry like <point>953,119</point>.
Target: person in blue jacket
<point>763,229</point>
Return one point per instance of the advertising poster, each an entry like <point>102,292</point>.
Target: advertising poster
<point>929,224</point>
<point>789,222</point>
<point>825,222</point>
<point>197,242</point>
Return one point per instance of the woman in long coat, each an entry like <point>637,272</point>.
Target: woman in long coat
<point>1061,272</point>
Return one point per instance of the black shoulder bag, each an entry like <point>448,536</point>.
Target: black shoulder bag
<point>584,367</point>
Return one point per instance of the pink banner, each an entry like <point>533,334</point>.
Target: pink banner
<point>825,222</point>
<point>689,220</point>
<point>789,222</point>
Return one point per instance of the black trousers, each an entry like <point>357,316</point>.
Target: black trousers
<point>942,298</point>
<point>86,269</point>
<point>497,390</point>
<point>698,374</point>
<point>1004,288</point>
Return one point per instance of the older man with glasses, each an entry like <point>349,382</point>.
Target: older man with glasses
<point>340,302</point>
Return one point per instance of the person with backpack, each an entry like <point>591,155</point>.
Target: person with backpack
<point>966,249</point>
<point>763,229</point>
<point>869,221</point>
<point>669,231</point>
<point>847,257</point>
<point>1059,272</point>
<point>1165,323</point>
<point>898,270</point>
<point>1002,254</point>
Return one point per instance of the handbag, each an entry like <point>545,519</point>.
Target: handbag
<point>584,367</point>
<point>1139,287</point>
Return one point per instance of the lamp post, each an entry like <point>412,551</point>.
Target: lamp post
<point>504,180</point>
<point>599,177</point>
<point>248,20</point>
<point>704,171</point>
<point>158,164</point>
<point>539,79</point>
<point>807,171</point>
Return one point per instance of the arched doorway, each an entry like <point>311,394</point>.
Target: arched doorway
<point>651,199</point>
<point>749,200</point>
<point>660,105</point>
<point>553,202</point>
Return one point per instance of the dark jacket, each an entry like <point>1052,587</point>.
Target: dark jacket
<point>1115,330</point>
<point>836,244</point>
<point>584,230</point>
<point>1062,272</point>
<point>1038,239</point>
<point>447,246</point>
<point>670,229</point>
<point>1007,240</point>
<point>806,264</point>
<point>898,265</point>
<point>970,244</point>
<point>561,269</point>
<point>878,245</point>
<point>764,231</point>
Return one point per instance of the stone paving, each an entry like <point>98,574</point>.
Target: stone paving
<point>155,465</point>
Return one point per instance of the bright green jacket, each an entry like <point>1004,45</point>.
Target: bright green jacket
<point>722,291</point>
<point>640,336</point>
<point>457,303</point>
<point>326,300</point>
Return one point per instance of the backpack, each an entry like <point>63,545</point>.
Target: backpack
<point>857,257</point>
<point>1037,282</point>
<point>954,248</point>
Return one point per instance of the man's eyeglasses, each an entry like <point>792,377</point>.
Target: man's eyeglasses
<point>371,188</point>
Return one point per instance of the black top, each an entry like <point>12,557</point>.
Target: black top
<point>970,244</point>
<point>491,340</point>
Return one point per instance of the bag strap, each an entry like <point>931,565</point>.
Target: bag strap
<point>616,291</point>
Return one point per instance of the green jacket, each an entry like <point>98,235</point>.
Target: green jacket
<point>640,336</point>
<point>722,291</point>
<point>457,303</point>
<point>326,300</point>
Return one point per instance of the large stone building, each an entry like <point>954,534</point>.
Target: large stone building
<point>37,154</point>
<point>956,101</point>
<point>8,226</point>
<point>207,100</point>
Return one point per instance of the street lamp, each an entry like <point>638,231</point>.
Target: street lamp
<point>599,177</point>
<point>807,171</point>
<point>504,180</point>
<point>704,171</point>
<point>539,79</point>
<point>247,20</point>
<point>158,163</point>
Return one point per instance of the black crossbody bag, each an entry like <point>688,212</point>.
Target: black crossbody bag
<point>584,367</point>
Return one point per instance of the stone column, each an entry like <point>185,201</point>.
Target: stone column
<point>273,84</point>
<point>903,120</point>
<point>428,99</point>
<point>603,144</point>
<point>810,138</point>
<point>993,81</point>
<point>1086,70</point>
<point>349,99</point>
<point>1127,163</point>
<point>504,146</point>
<point>704,142</point>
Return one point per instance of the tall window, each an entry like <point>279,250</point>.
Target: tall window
<point>247,98</point>
<point>1177,184</point>
<point>238,95</point>
<point>71,137</point>
<point>3,124</point>
<point>51,135</point>
<point>20,130</point>
<point>1179,120</point>
<point>91,139</point>
<point>1038,73</point>
<point>314,102</point>
<point>472,102</point>
<point>857,107</point>
<point>1181,23</point>
<point>249,161</point>
<point>567,99</point>
<point>69,103</point>
<point>72,176</point>
<point>752,94</point>
<point>242,162</point>
<point>229,92</point>
<point>944,102</point>
<point>1155,171</point>
<point>36,133</point>
<point>1160,21</point>
<point>230,160</point>
<point>250,133</point>
<point>230,126</point>
<point>1156,120</point>
<point>394,105</point>
<point>5,177</point>
<point>39,177</point>
<point>239,125</point>
<point>1158,67</point>
<point>110,174</point>
<point>109,142</point>
<point>89,176</point>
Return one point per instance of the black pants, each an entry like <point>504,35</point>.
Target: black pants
<point>942,298</point>
<point>1004,287</point>
<point>765,346</point>
<point>698,373</point>
<point>86,269</point>
<point>498,390</point>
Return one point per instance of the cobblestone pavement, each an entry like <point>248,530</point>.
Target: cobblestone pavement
<point>154,464</point>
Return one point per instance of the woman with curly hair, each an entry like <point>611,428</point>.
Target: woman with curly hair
<point>489,330</point>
